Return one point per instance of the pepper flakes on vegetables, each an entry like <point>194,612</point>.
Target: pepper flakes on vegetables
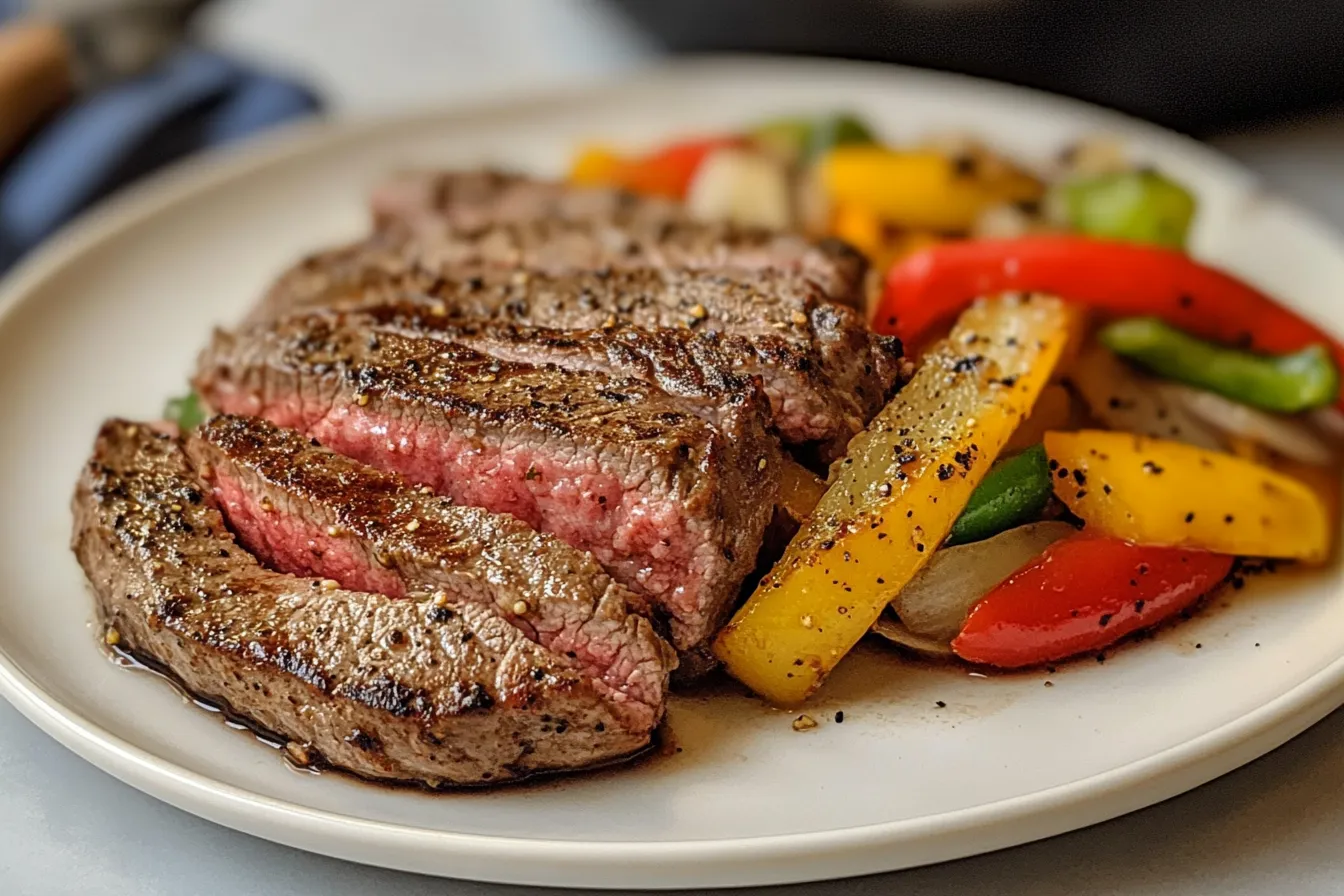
<point>1120,279</point>
<point>761,642</point>
<point>1291,521</point>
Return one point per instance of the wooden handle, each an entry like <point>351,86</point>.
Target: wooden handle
<point>35,78</point>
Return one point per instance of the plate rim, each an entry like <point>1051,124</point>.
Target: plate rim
<point>724,861</point>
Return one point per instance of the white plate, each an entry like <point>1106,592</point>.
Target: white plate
<point>106,319</point>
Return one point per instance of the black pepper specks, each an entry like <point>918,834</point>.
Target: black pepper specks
<point>967,364</point>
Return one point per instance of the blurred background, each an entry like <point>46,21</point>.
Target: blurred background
<point>95,93</point>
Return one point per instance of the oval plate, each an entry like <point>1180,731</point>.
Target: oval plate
<point>929,764</point>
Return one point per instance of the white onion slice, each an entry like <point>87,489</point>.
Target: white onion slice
<point>741,186</point>
<point>894,631</point>
<point>1004,221</point>
<point>1128,401</point>
<point>936,601</point>
<point>1291,438</point>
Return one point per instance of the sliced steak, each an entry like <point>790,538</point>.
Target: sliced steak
<point>414,690</point>
<point>557,246</point>
<point>680,362</point>
<point>672,504</point>
<point>308,511</point>
<point>559,226</point>
<point>825,372</point>
<point>478,198</point>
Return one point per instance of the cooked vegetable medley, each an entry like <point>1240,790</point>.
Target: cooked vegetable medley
<point>1099,429</point>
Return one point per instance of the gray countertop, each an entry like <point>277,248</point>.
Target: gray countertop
<point>1276,826</point>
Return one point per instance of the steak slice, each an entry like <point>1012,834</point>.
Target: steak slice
<point>408,690</point>
<point>672,504</point>
<point>566,226</point>
<point>480,197</point>
<point>825,372</point>
<point>308,511</point>
<point>437,249</point>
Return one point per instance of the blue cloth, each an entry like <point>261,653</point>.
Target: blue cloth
<point>193,100</point>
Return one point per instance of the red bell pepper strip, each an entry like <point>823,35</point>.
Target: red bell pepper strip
<point>1082,594</point>
<point>1120,279</point>
<point>669,171</point>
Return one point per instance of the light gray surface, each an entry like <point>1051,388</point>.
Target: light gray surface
<point>1276,826</point>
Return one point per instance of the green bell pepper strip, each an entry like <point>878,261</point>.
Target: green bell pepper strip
<point>1287,384</point>
<point>1013,493</point>
<point>805,139</point>
<point>185,411</point>
<point>1136,206</point>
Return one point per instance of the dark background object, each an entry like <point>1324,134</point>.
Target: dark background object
<point>1199,66</point>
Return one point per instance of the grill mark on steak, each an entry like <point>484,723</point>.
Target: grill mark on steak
<point>552,225</point>
<point>681,362</point>
<point>825,372</point>
<point>460,698</point>
<point>305,510</point>
<point>671,504</point>
<point>556,247</point>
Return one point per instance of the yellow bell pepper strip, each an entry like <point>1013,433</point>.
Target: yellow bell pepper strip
<point>1327,486</point>
<point>1141,206</point>
<point>893,499</point>
<point>916,189</point>
<point>1153,491</point>
<point>859,226</point>
<point>595,166</point>
<point>1300,381</point>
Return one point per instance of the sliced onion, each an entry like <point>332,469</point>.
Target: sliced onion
<point>936,601</point>
<point>891,628</point>
<point>741,186</point>
<point>1093,156</point>
<point>1125,400</point>
<point>1291,438</point>
<point>1004,221</point>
